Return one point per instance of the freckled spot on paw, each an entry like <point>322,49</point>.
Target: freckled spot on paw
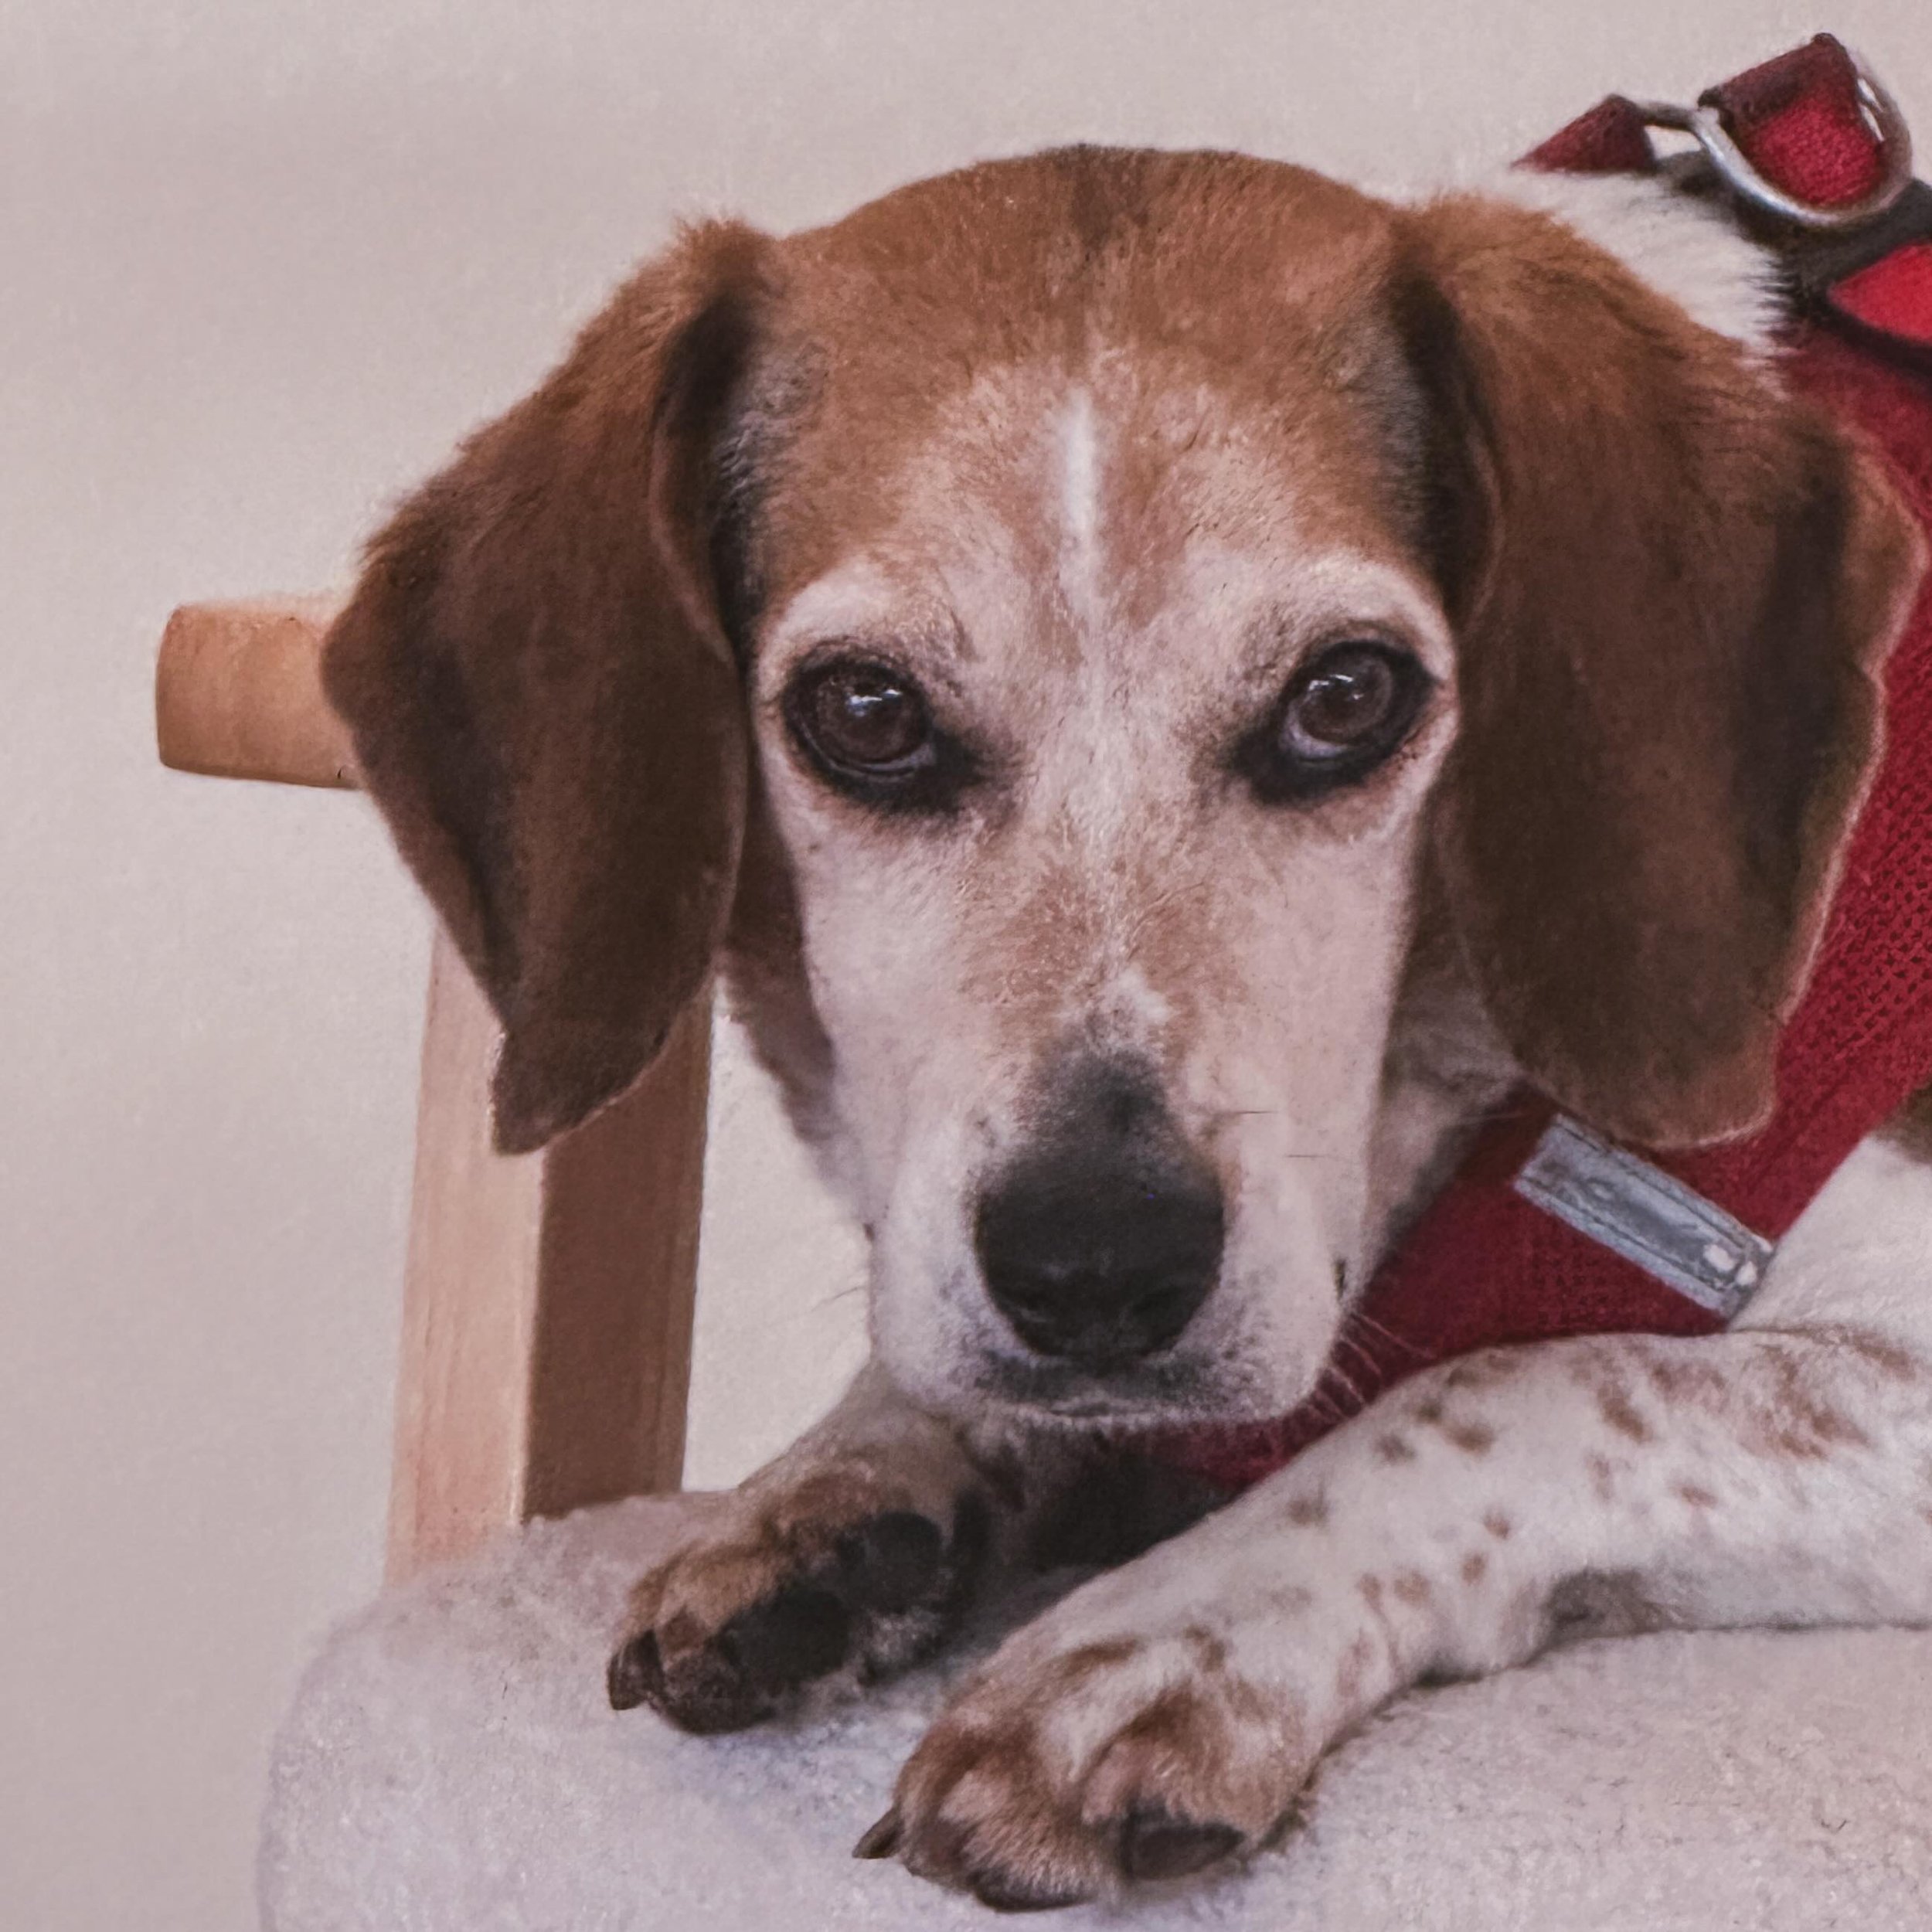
<point>1603,1476</point>
<point>1697,1495</point>
<point>1353,1670</point>
<point>1498,1524</point>
<point>1787,1419</point>
<point>1473,1438</point>
<point>1686,1378</point>
<point>1808,1431</point>
<point>1308,1511</point>
<point>1615,1407</point>
<point>1883,1354</point>
<point>1831,1426</point>
<point>1392,1447</point>
<point>1370,1589</point>
<point>1475,1567</point>
<point>1412,1586</point>
<point>1429,1411</point>
<point>1489,1370</point>
<point>1073,1669</point>
<point>1209,1650</point>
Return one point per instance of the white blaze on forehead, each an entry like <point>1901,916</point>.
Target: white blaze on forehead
<point>1080,560</point>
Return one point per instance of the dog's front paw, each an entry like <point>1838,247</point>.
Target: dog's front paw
<point>1065,1770</point>
<point>781,1586</point>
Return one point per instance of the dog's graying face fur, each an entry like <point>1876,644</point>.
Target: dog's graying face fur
<point>1158,676</point>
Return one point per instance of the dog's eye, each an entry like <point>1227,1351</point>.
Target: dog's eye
<point>867,729</point>
<point>1341,717</point>
<point>863,716</point>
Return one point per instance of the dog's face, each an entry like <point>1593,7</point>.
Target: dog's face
<point>1097,727</point>
<point>1107,597</point>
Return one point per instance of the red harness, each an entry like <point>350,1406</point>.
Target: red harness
<point>1488,1263</point>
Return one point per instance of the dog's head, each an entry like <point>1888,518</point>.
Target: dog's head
<point>1067,635</point>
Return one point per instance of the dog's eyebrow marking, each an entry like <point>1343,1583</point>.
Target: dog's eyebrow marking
<point>859,603</point>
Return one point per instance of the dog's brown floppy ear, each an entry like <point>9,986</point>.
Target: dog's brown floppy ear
<point>542,698</point>
<point>1674,587</point>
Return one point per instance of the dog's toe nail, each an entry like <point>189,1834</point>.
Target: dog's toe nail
<point>894,1561</point>
<point>635,1675</point>
<point>1156,1845</point>
<point>881,1838</point>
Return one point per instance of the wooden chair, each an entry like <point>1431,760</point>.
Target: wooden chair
<point>545,1360</point>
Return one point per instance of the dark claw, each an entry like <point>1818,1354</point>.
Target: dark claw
<point>1156,1845</point>
<point>881,1838</point>
<point>635,1675</point>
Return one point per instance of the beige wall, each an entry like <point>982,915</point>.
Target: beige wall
<point>259,266</point>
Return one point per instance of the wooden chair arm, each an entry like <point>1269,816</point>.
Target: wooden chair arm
<point>545,1358</point>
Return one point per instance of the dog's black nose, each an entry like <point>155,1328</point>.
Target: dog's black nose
<point>1101,1242</point>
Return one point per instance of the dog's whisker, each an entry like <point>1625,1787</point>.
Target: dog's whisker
<point>1348,1383</point>
<point>1362,1319</point>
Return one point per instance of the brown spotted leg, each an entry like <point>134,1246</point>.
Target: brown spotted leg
<point>1168,1714</point>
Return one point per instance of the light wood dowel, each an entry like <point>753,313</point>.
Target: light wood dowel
<point>547,1329</point>
<point>238,693</point>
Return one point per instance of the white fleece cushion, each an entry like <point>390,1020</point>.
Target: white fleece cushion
<point>450,1766</point>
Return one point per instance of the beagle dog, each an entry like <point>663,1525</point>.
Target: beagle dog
<point>1165,685</point>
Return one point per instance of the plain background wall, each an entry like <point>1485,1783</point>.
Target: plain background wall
<point>259,265</point>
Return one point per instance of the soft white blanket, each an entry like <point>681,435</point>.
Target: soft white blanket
<point>451,1767</point>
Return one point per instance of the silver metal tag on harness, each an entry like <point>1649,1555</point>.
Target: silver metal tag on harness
<point>1642,1213</point>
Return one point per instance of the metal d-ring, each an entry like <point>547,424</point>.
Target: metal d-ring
<point>1706,126</point>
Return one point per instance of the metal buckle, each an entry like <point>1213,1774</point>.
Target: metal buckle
<point>1705,125</point>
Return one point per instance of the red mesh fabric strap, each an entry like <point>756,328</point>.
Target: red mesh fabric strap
<point>1483,1266</point>
<point>1798,119</point>
<point>1613,138</point>
<point>1893,297</point>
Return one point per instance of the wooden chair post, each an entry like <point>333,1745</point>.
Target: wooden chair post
<point>546,1356</point>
